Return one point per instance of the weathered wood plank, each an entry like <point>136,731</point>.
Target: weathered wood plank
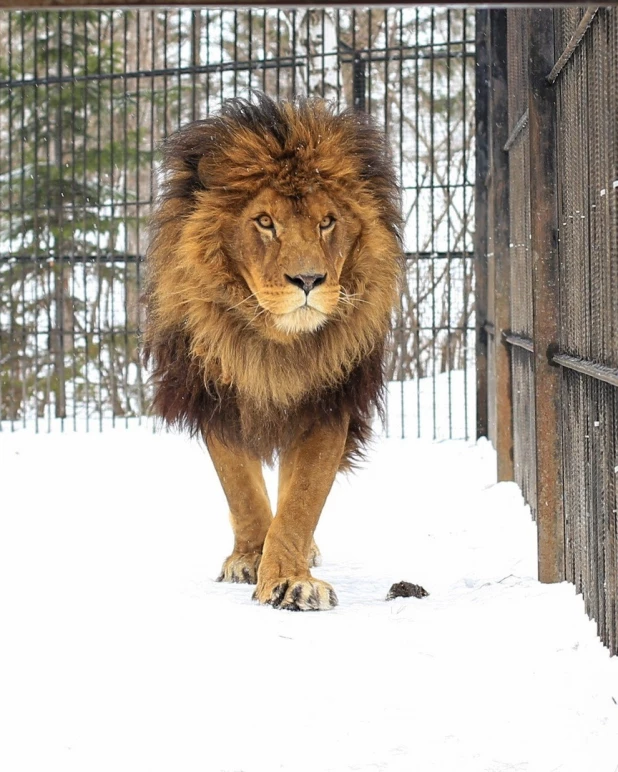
<point>546,295</point>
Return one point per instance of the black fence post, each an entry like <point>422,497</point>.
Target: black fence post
<point>546,294</point>
<point>359,80</point>
<point>499,251</point>
<point>480,217</point>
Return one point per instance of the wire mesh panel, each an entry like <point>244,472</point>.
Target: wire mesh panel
<point>85,100</point>
<point>588,215</point>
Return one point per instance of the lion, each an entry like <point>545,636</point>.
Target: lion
<point>273,271</point>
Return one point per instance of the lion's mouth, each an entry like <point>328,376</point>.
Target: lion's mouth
<point>306,318</point>
<point>291,314</point>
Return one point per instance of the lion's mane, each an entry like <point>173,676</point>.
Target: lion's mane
<point>212,372</point>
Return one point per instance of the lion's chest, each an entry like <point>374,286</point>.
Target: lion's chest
<point>274,377</point>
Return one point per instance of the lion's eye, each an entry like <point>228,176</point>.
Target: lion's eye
<point>327,222</point>
<point>264,221</point>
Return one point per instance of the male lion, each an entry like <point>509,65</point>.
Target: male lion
<point>273,271</point>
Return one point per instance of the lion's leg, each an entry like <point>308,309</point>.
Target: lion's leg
<point>314,557</point>
<point>308,469</point>
<point>250,513</point>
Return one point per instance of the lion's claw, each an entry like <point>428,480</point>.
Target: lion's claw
<point>278,594</point>
<point>240,568</point>
<point>298,594</point>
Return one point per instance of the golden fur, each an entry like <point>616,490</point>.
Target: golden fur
<point>273,272</point>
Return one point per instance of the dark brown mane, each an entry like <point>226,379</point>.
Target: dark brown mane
<point>194,157</point>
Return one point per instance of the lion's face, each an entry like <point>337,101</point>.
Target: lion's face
<point>291,252</point>
<point>274,263</point>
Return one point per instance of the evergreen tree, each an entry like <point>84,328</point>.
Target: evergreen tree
<point>67,172</point>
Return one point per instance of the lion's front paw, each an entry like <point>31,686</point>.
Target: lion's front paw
<point>297,593</point>
<point>240,568</point>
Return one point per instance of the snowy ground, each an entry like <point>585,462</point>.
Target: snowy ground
<point>119,651</point>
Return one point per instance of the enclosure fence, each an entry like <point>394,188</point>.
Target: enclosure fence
<point>547,275</point>
<point>85,99</point>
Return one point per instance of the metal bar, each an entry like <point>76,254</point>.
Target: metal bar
<point>546,297</point>
<point>417,215</point>
<point>8,259</point>
<point>22,201</point>
<point>99,194</point>
<point>48,205</point>
<point>109,332</point>
<point>448,230</point>
<point>84,225</point>
<point>125,213</point>
<point>480,217</point>
<point>401,166</point>
<point>429,328</point>
<point>439,256</point>
<point>123,4</point>
<point>359,84</point>
<point>73,141</point>
<point>323,54</point>
<point>295,59</point>
<point>36,219</point>
<point>586,367</point>
<point>517,130</point>
<point>138,142</point>
<point>436,186</point>
<point>59,236</point>
<point>432,209</point>
<point>364,54</point>
<point>113,171</point>
<point>369,61</point>
<point>387,105</point>
<point>575,40</point>
<point>12,195</point>
<point>468,285</point>
<point>520,342</point>
<point>499,235</point>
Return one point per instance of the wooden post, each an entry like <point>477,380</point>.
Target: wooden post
<point>481,218</point>
<point>546,294</point>
<point>499,163</point>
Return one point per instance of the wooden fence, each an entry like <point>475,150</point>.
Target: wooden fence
<point>547,282</point>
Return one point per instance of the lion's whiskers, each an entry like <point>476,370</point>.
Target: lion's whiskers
<point>351,299</point>
<point>260,311</point>
<point>244,300</point>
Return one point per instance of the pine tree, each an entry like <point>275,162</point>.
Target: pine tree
<point>65,166</point>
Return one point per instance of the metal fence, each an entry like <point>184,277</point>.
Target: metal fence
<point>549,308</point>
<point>85,99</point>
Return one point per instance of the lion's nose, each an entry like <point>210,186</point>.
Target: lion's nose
<point>307,281</point>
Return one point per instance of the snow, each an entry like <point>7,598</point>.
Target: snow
<point>440,406</point>
<point>120,652</point>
